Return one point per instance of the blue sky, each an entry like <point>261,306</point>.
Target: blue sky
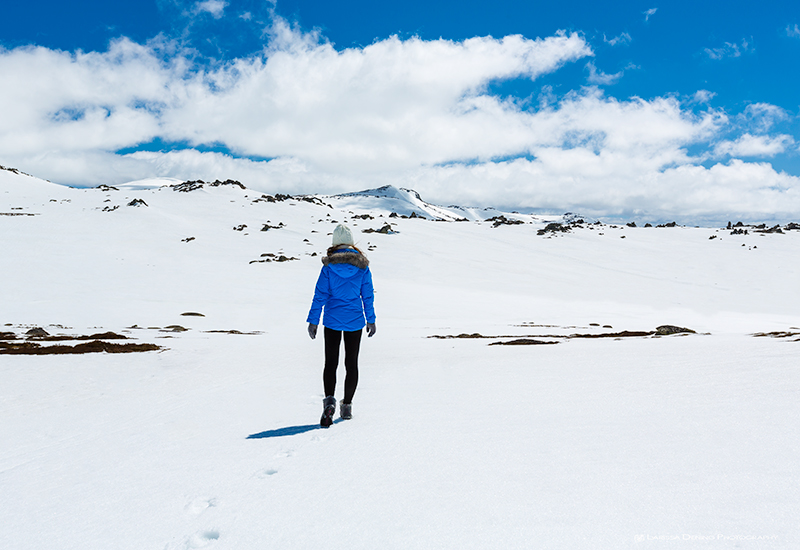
<point>716,82</point>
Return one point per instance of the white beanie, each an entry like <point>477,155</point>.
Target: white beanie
<point>342,235</point>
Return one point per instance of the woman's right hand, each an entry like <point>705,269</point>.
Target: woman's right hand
<point>312,330</point>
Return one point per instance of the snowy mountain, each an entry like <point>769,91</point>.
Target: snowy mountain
<point>468,430</point>
<point>407,202</point>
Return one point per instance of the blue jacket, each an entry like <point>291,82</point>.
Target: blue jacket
<point>344,290</point>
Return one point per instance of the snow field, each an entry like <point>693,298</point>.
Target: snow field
<point>212,443</point>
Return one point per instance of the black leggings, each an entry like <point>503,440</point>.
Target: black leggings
<point>352,342</point>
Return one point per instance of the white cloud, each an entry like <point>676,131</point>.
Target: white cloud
<point>749,145</point>
<point>703,96</point>
<point>793,30</point>
<point>649,13</point>
<point>761,117</point>
<point>601,78</point>
<point>623,38</point>
<point>214,7</point>
<point>730,49</point>
<point>413,113</point>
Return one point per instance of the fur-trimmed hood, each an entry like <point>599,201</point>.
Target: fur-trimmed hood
<point>346,256</point>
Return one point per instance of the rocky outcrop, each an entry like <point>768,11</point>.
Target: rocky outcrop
<point>189,186</point>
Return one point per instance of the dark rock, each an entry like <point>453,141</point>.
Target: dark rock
<point>554,227</point>
<point>502,220</point>
<point>665,330</point>
<point>762,229</point>
<point>631,224</point>
<point>174,328</point>
<point>192,314</point>
<point>385,230</point>
<point>137,202</point>
<point>37,332</point>
<point>188,186</point>
<point>522,342</point>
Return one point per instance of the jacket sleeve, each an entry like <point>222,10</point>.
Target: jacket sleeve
<point>368,296</point>
<point>321,295</point>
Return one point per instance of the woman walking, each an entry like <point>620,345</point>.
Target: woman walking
<point>344,291</point>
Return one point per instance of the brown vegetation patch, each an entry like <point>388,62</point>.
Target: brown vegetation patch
<point>665,330</point>
<point>473,335</point>
<point>530,339</point>
<point>522,342</point>
<point>174,328</point>
<point>777,334</point>
<point>97,346</point>
<point>255,332</point>
<point>622,334</point>
<point>64,337</point>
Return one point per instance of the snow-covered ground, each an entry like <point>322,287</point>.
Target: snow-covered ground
<point>684,441</point>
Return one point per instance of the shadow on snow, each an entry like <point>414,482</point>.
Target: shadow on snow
<point>290,430</point>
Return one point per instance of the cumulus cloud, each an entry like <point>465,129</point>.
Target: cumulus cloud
<point>214,7</point>
<point>303,117</point>
<point>395,103</point>
<point>749,145</point>
<point>761,117</point>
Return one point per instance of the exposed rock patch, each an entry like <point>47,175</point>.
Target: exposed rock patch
<point>778,334</point>
<point>270,257</point>
<point>189,186</point>
<point>665,330</point>
<point>522,342</point>
<point>502,220</point>
<point>554,227</point>
<point>385,230</point>
<point>96,346</point>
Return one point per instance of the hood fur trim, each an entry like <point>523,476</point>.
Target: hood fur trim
<point>352,258</point>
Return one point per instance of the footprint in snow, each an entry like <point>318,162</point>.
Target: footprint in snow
<point>200,539</point>
<point>287,453</point>
<point>199,505</point>
<point>268,472</point>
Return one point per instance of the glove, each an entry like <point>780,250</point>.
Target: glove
<point>371,330</point>
<point>312,330</point>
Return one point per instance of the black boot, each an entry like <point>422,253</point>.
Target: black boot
<point>328,408</point>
